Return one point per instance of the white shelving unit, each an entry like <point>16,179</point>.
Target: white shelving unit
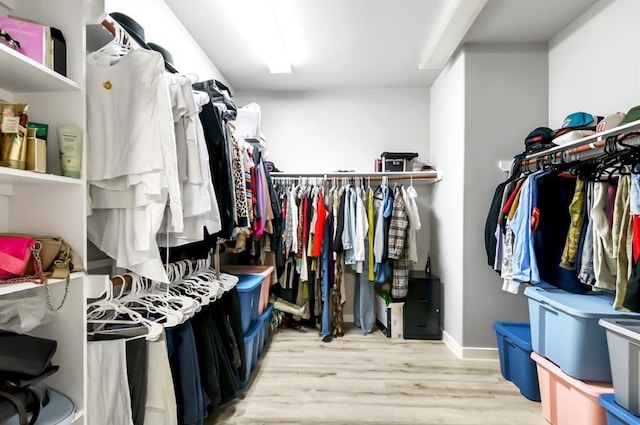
<point>22,74</point>
<point>17,287</point>
<point>50,204</point>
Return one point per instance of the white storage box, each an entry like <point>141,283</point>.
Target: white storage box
<point>623,340</point>
<point>390,317</point>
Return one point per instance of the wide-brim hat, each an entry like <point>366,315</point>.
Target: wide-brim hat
<point>132,27</point>
<point>168,58</point>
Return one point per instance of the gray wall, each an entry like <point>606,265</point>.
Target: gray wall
<point>505,98</point>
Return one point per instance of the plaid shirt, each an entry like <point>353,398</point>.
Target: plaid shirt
<point>398,246</point>
<point>398,226</point>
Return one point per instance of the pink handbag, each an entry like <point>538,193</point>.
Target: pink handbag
<point>15,256</point>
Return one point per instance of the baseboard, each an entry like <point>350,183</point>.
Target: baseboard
<point>468,353</point>
<point>348,318</point>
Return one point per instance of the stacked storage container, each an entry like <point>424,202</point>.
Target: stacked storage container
<point>616,414</point>
<point>571,353</point>
<point>253,292</point>
<point>516,365</point>
<point>623,341</point>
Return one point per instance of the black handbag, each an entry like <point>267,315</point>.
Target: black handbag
<point>24,356</point>
<point>25,402</point>
<point>25,361</point>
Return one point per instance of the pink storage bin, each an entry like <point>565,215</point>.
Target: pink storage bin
<point>569,401</point>
<point>265,271</point>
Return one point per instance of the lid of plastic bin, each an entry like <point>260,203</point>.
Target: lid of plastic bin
<point>59,410</point>
<point>252,332</point>
<point>594,389</point>
<point>245,269</point>
<point>591,305</point>
<point>518,333</point>
<point>249,282</point>
<point>608,401</point>
<point>628,327</point>
<point>266,314</point>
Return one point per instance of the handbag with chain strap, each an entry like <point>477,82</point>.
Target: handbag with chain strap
<point>33,258</point>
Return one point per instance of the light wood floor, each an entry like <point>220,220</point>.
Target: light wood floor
<point>375,380</point>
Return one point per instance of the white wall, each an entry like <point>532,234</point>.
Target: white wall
<point>594,63</point>
<point>162,27</point>
<point>324,131</point>
<point>447,152</point>
<point>506,90</point>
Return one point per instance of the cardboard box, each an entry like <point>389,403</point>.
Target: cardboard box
<point>389,317</point>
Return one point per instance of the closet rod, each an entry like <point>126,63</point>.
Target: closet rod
<point>400,175</point>
<point>109,26</point>
<point>587,143</point>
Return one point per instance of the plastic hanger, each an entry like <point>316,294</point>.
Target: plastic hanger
<point>118,47</point>
<point>154,330</point>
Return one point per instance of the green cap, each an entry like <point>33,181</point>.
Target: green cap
<point>632,115</point>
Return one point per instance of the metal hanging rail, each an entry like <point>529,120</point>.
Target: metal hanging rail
<point>431,176</point>
<point>588,144</point>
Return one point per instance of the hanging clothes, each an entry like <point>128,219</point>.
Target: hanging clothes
<point>213,117</point>
<point>397,246</point>
<point>132,167</point>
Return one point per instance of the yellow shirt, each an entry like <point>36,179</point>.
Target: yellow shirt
<point>369,206</point>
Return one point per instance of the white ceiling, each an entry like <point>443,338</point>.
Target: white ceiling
<point>356,43</point>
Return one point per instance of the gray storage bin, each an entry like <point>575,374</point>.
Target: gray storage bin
<point>623,340</point>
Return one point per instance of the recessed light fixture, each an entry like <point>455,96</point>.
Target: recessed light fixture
<point>458,18</point>
<point>259,21</point>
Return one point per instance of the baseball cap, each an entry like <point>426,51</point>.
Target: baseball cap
<point>632,115</point>
<point>578,120</point>
<point>539,139</point>
<point>610,122</point>
<point>571,136</point>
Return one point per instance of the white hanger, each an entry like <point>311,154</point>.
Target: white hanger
<point>154,329</point>
<point>140,298</point>
<point>118,47</point>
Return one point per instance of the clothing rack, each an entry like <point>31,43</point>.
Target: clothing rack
<point>430,176</point>
<point>587,146</point>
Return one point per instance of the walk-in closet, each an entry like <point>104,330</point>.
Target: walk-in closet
<point>319,212</point>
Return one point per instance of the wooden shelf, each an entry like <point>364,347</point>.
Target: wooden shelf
<point>25,177</point>
<point>18,287</point>
<point>22,74</point>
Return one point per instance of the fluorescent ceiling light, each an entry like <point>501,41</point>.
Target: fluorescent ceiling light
<point>458,18</point>
<point>259,21</point>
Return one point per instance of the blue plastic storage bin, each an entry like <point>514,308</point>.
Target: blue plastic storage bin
<point>251,339</point>
<point>249,287</point>
<point>565,330</point>
<point>516,365</point>
<point>264,322</point>
<point>616,415</point>
<point>59,411</point>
